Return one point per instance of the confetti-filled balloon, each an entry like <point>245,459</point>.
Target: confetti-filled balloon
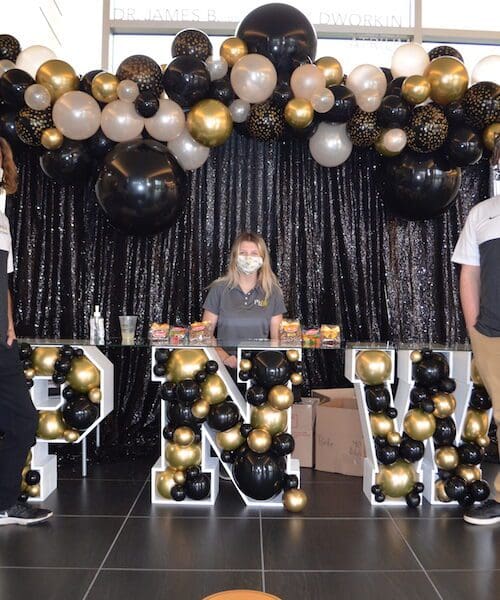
<point>427,129</point>
<point>9,47</point>
<point>192,42</point>
<point>481,104</point>
<point>265,122</point>
<point>144,71</point>
<point>30,125</point>
<point>363,128</point>
<point>445,51</point>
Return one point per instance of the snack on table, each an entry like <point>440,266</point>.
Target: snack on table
<point>330,336</point>
<point>290,332</point>
<point>178,336</point>
<point>311,338</point>
<point>200,331</point>
<point>159,331</point>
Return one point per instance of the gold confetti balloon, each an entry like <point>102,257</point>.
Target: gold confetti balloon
<point>265,122</point>
<point>481,104</point>
<point>144,71</point>
<point>427,128</point>
<point>30,125</point>
<point>363,128</point>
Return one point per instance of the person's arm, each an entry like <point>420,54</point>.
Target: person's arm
<point>228,359</point>
<point>275,327</point>
<point>469,294</point>
<point>11,333</point>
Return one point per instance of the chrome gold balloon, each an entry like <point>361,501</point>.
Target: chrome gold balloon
<point>469,473</point>
<point>296,378</point>
<point>33,491</point>
<point>259,440</point>
<point>331,69</point>
<point>209,122</point>
<point>476,424</point>
<point>294,500</point>
<point>71,435</point>
<point>396,480</point>
<point>105,87</point>
<point>180,477</point>
<point>200,409</point>
<point>280,397</point>
<point>83,375</point>
<point>184,364</point>
<point>58,77</point>
<point>474,374</point>
<point>267,417</point>
<point>446,458</point>
<point>419,425</point>
<point>448,79</point>
<point>213,389</point>
<point>182,457</point>
<point>441,492</point>
<point>393,438</point>
<point>292,355</point>
<point>232,50</point>
<point>416,356</point>
<point>381,424</point>
<point>95,395</point>
<point>245,365</point>
<point>165,482</point>
<point>29,373</point>
<point>231,439</point>
<point>52,138</point>
<point>444,405</point>
<point>184,436</point>
<point>299,113</point>
<point>373,367</point>
<point>483,441</point>
<point>44,359</point>
<point>490,134</point>
<point>416,89</point>
<point>50,425</point>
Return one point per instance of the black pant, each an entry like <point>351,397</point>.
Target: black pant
<point>18,424</point>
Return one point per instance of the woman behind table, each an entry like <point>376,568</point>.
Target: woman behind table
<point>246,303</point>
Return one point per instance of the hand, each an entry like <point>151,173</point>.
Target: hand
<point>11,336</point>
<point>231,361</point>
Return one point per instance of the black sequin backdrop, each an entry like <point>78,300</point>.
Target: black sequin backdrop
<point>339,257</point>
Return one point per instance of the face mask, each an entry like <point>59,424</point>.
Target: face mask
<point>249,264</point>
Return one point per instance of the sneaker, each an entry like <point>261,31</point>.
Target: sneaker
<point>486,513</point>
<point>24,514</point>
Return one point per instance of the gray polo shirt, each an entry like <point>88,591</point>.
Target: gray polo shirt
<point>243,316</point>
<point>6,266</point>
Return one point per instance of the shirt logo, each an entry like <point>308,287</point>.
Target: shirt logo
<point>261,303</point>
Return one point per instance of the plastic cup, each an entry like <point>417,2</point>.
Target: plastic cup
<point>128,323</point>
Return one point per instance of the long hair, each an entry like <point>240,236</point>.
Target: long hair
<point>265,277</point>
<point>9,167</point>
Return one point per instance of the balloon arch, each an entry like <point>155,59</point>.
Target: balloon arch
<point>146,125</point>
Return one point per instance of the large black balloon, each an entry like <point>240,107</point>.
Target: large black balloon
<point>411,450</point>
<point>431,370</point>
<point>221,90</point>
<point>80,414</point>
<point>282,94</point>
<point>419,187</point>
<point>378,398</point>
<point>259,476</point>
<point>481,104</point>
<point>186,80</point>
<point>141,187</point>
<point>223,416</point>
<point>445,432</point>
<point>393,112</point>
<point>479,490</point>
<point>464,147</point>
<point>13,84</point>
<point>470,453</point>
<point>99,144</point>
<point>271,368</point>
<point>344,106</point>
<point>480,398</point>
<point>281,33</point>
<point>70,163</point>
<point>197,487</point>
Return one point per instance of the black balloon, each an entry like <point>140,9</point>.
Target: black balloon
<point>68,393</point>
<point>223,416</point>
<point>445,432</point>
<point>188,391</point>
<point>198,487</point>
<point>418,487</point>
<point>245,429</point>
<point>159,370</point>
<point>221,90</point>
<point>192,471</point>
<point>454,112</point>
<point>244,375</point>
<point>447,385</point>
<point>168,391</point>
<point>30,124</point>
<point>283,444</point>
<point>168,432</point>
<point>200,376</point>
<point>58,378</point>
<point>388,74</point>
<point>455,488</point>
<point>227,456</point>
<point>391,412</point>
<point>344,105</point>
<point>444,51</point>
<point>282,94</point>
<point>141,187</point>
<point>480,398</point>
<point>378,398</point>
<point>379,497</point>
<point>303,133</point>
<point>290,482</point>
<point>419,187</point>
<point>162,354</point>
<point>13,84</point>
<point>192,42</point>
<point>178,493</point>
<point>466,500</point>
<point>376,489</point>
<point>32,477</point>
<point>363,128</point>
<point>180,414</point>
<point>68,351</point>
<point>144,71</point>
<point>186,80</point>
<point>479,490</point>
<point>413,499</point>
<point>211,367</point>
<point>481,104</point>
<point>470,453</point>
<point>394,87</point>
<point>393,112</point>
<point>8,127</point>
<point>427,128</point>
<point>265,122</point>
<point>147,104</point>
<point>259,476</point>
<point>427,405</point>
<point>417,395</point>
<point>411,450</point>
<point>281,33</point>
<point>387,454</point>
<point>464,147</point>
<point>9,47</point>
<point>270,368</point>
<point>380,441</point>
<point>430,371</point>
<point>70,163</point>
<point>86,81</point>
<point>80,414</point>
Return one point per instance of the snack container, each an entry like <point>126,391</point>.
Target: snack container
<point>330,336</point>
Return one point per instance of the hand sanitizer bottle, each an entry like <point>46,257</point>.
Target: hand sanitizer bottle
<point>97,327</point>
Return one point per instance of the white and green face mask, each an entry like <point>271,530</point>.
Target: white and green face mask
<point>249,264</point>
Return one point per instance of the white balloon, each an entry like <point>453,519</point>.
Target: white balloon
<point>6,65</point>
<point>77,115</point>
<point>239,110</point>
<point>487,69</point>
<point>120,121</point>
<point>368,101</point>
<point>217,67</point>
<point>31,58</point>
<point>188,152</point>
<point>37,97</point>
<point>394,140</point>
<point>167,123</point>
<point>330,145</point>
<point>369,84</point>
<point>409,59</point>
<point>323,100</point>
<point>253,78</point>
<point>127,90</point>
<point>306,81</point>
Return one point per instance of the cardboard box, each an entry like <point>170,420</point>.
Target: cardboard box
<point>325,395</point>
<point>339,439</point>
<point>303,421</point>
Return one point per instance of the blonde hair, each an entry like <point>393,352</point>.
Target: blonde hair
<point>9,168</point>
<point>265,277</point>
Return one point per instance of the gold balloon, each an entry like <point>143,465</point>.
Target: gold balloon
<point>182,457</point>
<point>33,491</point>
<point>245,365</point>
<point>231,439</point>
<point>446,458</point>
<point>475,425</point>
<point>373,367</point>
<point>416,356</point>
<point>213,389</point>
<point>381,424</point>
<point>396,480</point>
<point>43,359</point>
<point>184,364</point>
<point>200,409</point>
<point>104,87</point>
<point>83,375</point>
<point>95,395</point>
<point>259,440</point>
<point>232,50</point>
<point>296,378</point>
<point>71,435</point>
<point>294,500</point>
<point>468,472</point>
<point>416,89</point>
<point>441,492</point>
<point>331,69</point>
<point>393,438</point>
<point>474,374</point>
<point>266,417</point>
<point>490,134</point>
<point>165,482</point>
<point>292,355</point>
<point>58,77</point>
<point>444,405</point>
<point>448,79</point>
<point>52,138</point>
<point>381,148</point>
<point>180,477</point>
<point>209,122</point>
<point>299,113</point>
<point>29,458</point>
<point>483,441</point>
<point>24,471</point>
<point>50,425</point>
<point>280,397</point>
<point>184,436</point>
<point>419,425</point>
<point>29,373</point>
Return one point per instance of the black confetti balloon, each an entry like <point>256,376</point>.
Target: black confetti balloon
<point>9,47</point>
<point>265,122</point>
<point>192,42</point>
<point>144,71</point>
<point>30,124</point>
<point>363,128</point>
<point>481,104</point>
<point>427,129</point>
<point>444,51</point>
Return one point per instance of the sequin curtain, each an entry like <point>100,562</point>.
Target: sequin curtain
<point>339,258</point>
